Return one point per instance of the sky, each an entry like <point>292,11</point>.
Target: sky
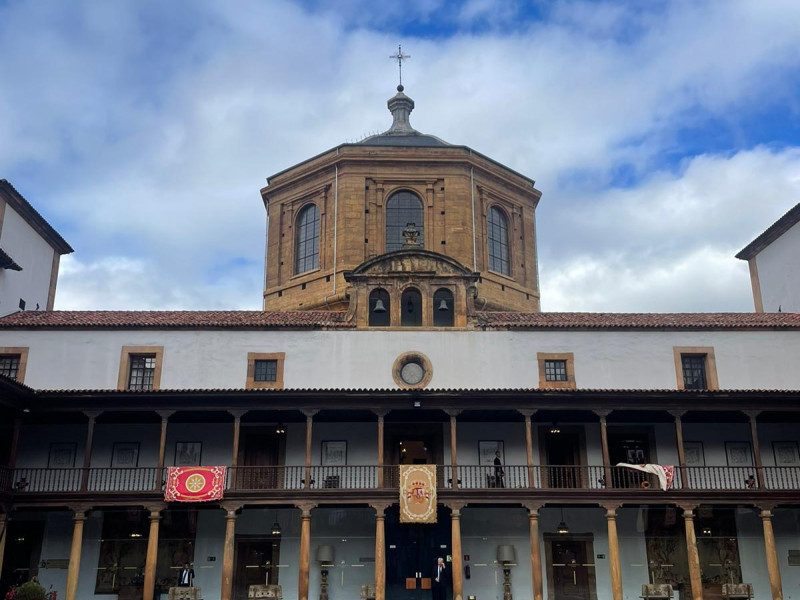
<point>664,135</point>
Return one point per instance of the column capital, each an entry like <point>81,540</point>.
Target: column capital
<point>527,412</point>
<point>92,414</point>
<point>305,509</point>
<point>602,412</point>
<point>381,412</point>
<point>309,413</point>
<point>611,510</point>
<point>455,506</point>
<point>677,413</point>
<point>533,510</point>
<point>231,509</point>
<point>165,414</point>
<point>765,510</point>
<point>80,511</point>
<point>380,508</point>
<point>237,414</point>
<point>155,511</point>
<point>752,414</point>
<point>688,510</point>
<point>452,412</point>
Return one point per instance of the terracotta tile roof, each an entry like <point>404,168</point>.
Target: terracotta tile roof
<point>640,320</point>
<point>772,233</point>
<point>174,319</point>
<point>32,216</point>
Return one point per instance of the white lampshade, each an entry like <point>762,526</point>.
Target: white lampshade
<point>325,554</point>
<point>506,554</point>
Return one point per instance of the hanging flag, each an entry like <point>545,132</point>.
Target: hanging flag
<point>194,484</point>
<point>665,473</point>
<point>417,493</point>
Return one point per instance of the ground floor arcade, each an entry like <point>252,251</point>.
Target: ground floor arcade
<point>559,552</point>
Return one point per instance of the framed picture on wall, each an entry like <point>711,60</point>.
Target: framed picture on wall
<point>738,454</point>
<point>486,450</point>
<point>334,453</point>
<point>62,455</point>
<point>786,454</point>
<point>693,453</point>
<point>125,455</point>
<point>188,454</point>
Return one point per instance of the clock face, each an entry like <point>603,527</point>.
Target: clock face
<point>412,373</point>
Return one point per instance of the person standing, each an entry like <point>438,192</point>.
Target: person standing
<point>499,473</point>
<point>439,585</point>
<point>186,576</point>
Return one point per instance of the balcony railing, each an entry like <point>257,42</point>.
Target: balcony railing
<point>369,477</point>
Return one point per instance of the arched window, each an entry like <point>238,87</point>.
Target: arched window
<point>411,308</point>
<point>403,208</point>
<point>443,308</point>
<point>306,240</point>
<point>379,313</point>
<point>498,242</point>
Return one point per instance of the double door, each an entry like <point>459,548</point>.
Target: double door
<point>411,554</point>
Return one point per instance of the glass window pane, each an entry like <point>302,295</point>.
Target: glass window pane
<point>401,209</point>
<point>307,240</point>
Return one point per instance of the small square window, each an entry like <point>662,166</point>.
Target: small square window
<point>695,368</point>
<point>9,365</point>
<point>265,370</point>
<point>140,368</point>
<point>13,362</point>
<point>555,370</point>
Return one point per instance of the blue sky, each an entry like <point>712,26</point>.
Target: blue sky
<point>664,135</point>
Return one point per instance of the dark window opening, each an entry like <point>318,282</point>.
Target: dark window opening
<point>265,370</point>
<point>401,209</point>
<point>555,370</point>
<point>498,242</point>
<point>694,371</point>
<point>307,240</point>
<point>9,365</point>
<point>141,375</point>
<point>411,308</point>
<point>379,314</point>
<point>443,308</point>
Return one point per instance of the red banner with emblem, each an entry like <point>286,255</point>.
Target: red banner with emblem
<point>194,484</point>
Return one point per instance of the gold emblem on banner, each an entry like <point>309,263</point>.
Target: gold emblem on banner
<point>417,493</point>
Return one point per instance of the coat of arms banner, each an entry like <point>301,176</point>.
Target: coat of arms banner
<point>417,493</point>
<point>194,484</point>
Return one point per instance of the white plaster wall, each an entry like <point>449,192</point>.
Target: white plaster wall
<point>30,251</point>
<point>68,359</point>
<point>779,272</point>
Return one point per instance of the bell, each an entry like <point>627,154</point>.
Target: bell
<point>443,305</point>
<point>379,307</point>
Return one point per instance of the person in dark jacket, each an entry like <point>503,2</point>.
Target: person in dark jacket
<point>186,576</point>
<point>499,473</point>
<point>440,577</point>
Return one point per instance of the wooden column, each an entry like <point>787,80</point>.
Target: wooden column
<point>237,427</point>
<point>457,565</point>
<point>227,552</point>
<point>12,454</point>
<point>529,445</point>
<point>381,415</point>
<point>607,474</point>
<point>693,555</point>
<point>613,553</point>
<point>773,567</point>
<point>3,536</point>
<point>380,551</point>
<point>536,553</point>
<point>162,446</point>
<point>685,484</point>
<point>453,448</point>
<point>309,431</point>
<point>74,567</point>
<point>752,414</point>
<point>151,559</point>
<point>305,550</point>
<point>87,452</point>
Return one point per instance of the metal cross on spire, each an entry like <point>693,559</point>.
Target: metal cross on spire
<point>400,57</point>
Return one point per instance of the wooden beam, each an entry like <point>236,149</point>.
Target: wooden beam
<point>536,553</point>
<point>613,553</point>
<point>227,552</point>
<point>151,558</point>
<point>692,554</point>
<point>773,568</point>
<point>74,568</point>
